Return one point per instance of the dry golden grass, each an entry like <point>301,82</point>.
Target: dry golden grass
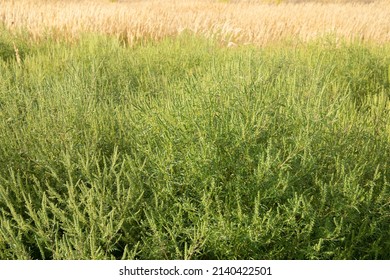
<point>245,21</point>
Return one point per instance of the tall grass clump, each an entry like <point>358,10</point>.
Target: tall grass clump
<point>182,149</point>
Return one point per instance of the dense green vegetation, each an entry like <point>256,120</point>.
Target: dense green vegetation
<point>182,149</point>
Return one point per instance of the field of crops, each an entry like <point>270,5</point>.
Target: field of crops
<point>194,129</point>
<point>241,22</point>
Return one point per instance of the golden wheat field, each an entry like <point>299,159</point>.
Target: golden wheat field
<point>245,21</point>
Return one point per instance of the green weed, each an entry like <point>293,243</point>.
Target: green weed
<point>185,150</point>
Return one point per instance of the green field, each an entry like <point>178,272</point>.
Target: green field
<point>183,149</point>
